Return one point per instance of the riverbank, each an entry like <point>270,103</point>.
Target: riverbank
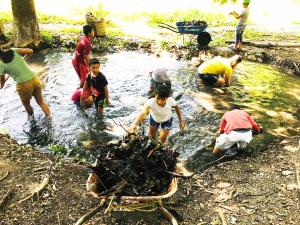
<point>39,188</point>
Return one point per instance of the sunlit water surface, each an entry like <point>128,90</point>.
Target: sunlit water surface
<point>271,97</point>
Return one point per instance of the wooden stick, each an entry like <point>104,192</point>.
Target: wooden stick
<point>226,207</point>
<point>90,214</point>
<point>5,197</point>
<point>2,178</point>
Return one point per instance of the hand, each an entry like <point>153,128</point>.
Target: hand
<point>132,128</point>
<point>181,125</point>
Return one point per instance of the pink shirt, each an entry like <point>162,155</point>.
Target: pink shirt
<point>76,95</point>
<point>235,119</point>
<point>83,47</point>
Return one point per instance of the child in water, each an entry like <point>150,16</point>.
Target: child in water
<point>160,109</point>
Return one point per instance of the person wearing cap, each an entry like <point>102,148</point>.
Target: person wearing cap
<point>160,109</point>
<point>217,71</point>
<point>241,24</point>
<point>157,76</point>
<point>235,128</point>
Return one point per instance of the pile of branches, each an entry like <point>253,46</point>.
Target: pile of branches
<point>134,166</point>
<point>195,23</point>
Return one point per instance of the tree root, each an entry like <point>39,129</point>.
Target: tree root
<point>90,214</point>
<point>5,197</point>
<point>168,215</point>
<point>35,195</point>
<point>223,219</point>
<point>2,178</point>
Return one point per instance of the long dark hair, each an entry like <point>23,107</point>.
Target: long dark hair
<point>7,56</point>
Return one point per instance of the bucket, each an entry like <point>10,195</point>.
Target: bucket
<point>100,27</point>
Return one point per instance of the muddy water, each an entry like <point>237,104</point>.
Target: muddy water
<point>270,96</point>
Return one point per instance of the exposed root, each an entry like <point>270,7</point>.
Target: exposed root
<point>35,195</point>
<point>5,197</point>
<point>223,219</point>
<point>168,215</point>
<point>2,178</point>
<point>89,215</point>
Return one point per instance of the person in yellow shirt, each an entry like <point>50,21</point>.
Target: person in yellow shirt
<point>217,71</point>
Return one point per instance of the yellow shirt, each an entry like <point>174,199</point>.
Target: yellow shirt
<point>217,65</point>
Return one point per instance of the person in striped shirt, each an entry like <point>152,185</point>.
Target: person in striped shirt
<point>241,25</point>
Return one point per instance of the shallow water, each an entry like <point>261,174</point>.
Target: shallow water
<point>270,96</point>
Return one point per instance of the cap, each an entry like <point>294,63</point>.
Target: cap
<point>246,1</point>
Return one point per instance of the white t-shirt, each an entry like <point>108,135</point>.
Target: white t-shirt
<point>161,114</point>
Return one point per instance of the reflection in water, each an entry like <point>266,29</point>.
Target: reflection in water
<point>271,97</point>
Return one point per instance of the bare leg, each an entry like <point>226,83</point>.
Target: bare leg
<point>28,107</point>
<point>100,110</point>
<point>40,101</point>
<point>163,135</point>
<point>216,150</point>
<point>219,82</point>
<point>152,131</point>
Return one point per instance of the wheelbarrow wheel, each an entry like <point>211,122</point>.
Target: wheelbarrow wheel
<point>203,38</point>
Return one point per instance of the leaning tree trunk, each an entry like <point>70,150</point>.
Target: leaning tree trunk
<point>26,31</point>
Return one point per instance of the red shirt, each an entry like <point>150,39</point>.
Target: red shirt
<point>83,47</point>
<point>235,119</point>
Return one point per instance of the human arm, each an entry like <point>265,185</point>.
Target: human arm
<point>139,118</point>
<point>235,14</point>
<point>26,52</point>
<point>106,95</point>
<point>178,112</point>
<point>255,127</point>
<point>86,58</point>
<point>222,125</point>
<point>3,79</point>
<point>82,96</point>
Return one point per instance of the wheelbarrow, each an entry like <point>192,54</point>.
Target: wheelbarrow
<point>135,206</point>
<point>203,37</point>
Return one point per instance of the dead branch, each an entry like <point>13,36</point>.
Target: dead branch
<point>90,214</point>
<point>2,178</point>
<point>223,219</point>
<point>115,188</point>
<point>35,195</point>
<point>226,207</point>
<point>297,68</point>
<point>274,44</point>
<point>5,197</point>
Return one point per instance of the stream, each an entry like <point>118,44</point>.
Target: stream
<point>269,96</point>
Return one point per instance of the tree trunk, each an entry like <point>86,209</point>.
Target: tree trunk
<point>26,31</point>
<point>2,32</point>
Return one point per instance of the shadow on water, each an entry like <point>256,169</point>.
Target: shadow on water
<point>270,96</point>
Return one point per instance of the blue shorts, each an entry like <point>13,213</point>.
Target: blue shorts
<point>165,125</point>
<point>239,34</point>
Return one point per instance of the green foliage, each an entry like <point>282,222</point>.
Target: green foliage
<point>5,16</point>
<point>213,19</point>
<point>222,2</point>
<point>253,35</point>
<point>164,45</point>
<point>218,42</point>
<point>57,149</point>
<point>98,11</point>
<point>46,36</point>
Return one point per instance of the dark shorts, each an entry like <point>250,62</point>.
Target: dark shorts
<point>208,78</point>
<point>165,125</point>
<point>100,103</point>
